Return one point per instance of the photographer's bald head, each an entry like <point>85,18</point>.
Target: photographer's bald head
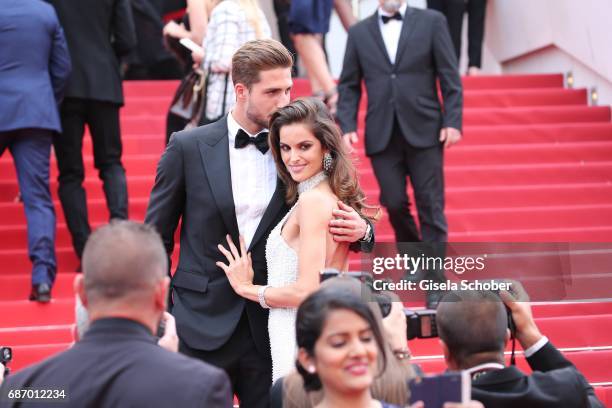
<point>124,274</point>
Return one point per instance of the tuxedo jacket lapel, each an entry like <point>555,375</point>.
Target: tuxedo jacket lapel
<point>276,204</point>
<point>377,35</point>
<point>407,28</point>
<point>214,150</point>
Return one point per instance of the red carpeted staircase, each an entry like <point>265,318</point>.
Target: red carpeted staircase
<point>535,165</point>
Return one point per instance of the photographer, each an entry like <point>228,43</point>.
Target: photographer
<point>473,329</point>
<point>118,361</point>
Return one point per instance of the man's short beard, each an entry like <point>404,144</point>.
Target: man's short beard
<point>257,119</point>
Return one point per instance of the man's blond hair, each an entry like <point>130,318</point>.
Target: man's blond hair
<point>256,56</point>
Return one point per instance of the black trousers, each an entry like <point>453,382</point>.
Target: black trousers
<point>454,10</point>
<point>102,119</point>
<point>281,9</point>
<point>424,167</point>
<point>249,372</point>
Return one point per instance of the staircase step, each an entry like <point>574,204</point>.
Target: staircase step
<point>24,356</point>
<point>523,115</point>
<point>513,81</point>
<point>524,97</point>
<point>30,336</point>
<point>17,287</point>
<point>159,105</point>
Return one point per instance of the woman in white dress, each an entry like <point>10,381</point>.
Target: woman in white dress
<point>318,173</point>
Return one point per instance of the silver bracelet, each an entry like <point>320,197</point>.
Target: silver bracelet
<point>261,296</point>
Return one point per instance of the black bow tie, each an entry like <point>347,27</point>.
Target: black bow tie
<point>260,141</point>
<point>396,16</point>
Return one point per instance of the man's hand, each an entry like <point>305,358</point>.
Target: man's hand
<point>347,225</point>
<point>527,333</point>
<point>449,136</point>
<point>350,139</point>
<point>395,326</point>
<point>169,340</point>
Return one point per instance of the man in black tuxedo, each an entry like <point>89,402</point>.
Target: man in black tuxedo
<point>401,52</point>
<point>118,362</point>
<point>99,33</point>
<point>221,180</point>
<point>473,329</point>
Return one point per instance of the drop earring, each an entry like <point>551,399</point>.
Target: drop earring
<point>327,162</point>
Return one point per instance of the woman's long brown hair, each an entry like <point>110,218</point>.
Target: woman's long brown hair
<point>343,178</point>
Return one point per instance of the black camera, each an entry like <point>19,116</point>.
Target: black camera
<point>421,324</point>
<point>6,355</point>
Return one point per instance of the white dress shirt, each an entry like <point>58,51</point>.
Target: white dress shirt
<point>391,31</point>
<point>536,347</point>
<point>253,182</point>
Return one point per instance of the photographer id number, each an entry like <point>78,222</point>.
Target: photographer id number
<point>35,394</point>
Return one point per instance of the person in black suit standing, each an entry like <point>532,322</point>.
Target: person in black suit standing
<point>221,180</point>
<point>34,68</point>
<point>401,52</point>
<point>454,11</point>
<point>473,329</point>
<point>99,33</point>
<point>118,362</point>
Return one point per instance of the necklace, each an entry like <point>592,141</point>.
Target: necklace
<point>311,182</point>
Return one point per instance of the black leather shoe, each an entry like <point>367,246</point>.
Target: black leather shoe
<point>41,293</point>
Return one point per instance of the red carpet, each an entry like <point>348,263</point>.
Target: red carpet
<point>535,165</point>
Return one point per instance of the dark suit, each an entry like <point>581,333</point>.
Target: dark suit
<point>213,322</point>
<point>555,382</point>
<point>98,32</point>
<point>119,364</point>
<point>34,67</point>
<point>404,116</point>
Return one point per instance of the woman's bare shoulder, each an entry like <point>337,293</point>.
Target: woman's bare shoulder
<point>317,204</point>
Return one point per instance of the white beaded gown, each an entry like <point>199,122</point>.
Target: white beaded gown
<point>282,263</point>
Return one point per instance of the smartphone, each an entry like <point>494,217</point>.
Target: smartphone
<point>190,45</point>
<point>435,390</point>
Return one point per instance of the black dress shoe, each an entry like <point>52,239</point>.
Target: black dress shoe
<point>41,293</point>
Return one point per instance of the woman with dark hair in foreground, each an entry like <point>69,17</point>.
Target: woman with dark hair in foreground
<point>341,348</point>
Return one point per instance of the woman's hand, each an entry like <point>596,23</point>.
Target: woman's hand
<point>239,269</point>
<point>197,56</point>
<point>175,30</point>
